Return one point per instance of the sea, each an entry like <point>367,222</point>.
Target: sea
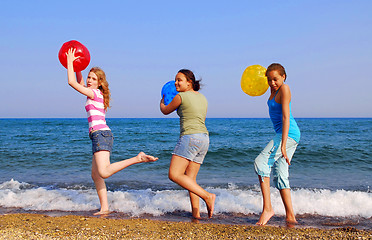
<point>45,168</point>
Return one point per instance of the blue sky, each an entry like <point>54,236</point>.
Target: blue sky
<point>325,47</point>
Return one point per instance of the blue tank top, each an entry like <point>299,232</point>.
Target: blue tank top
<point>276,116</point>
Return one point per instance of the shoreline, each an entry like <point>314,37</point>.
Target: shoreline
<point>304,220</point>
<point>41,226</point>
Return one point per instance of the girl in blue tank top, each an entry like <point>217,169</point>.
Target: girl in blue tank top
<point>277,155</point>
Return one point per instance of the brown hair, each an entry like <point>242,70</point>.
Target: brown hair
<point>276,67</point>
<point>103,86</point>
<point>191,77</point>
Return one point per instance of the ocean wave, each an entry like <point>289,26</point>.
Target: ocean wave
<point>232,199</point>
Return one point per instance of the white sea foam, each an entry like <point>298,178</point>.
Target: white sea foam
<point>338,203</point>
<point>12,195</point>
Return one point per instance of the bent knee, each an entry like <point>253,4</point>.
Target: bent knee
<point>172,176</point>
<point>104,175</point>
<point>95,176</point>
<point>99,174</point>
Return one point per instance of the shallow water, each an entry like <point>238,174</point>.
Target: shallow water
<point>45,166</point>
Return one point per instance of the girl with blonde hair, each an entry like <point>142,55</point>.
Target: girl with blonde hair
<point>98,100</point>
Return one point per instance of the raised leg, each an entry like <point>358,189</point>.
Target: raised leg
<point>106,169</point>
<point>102,169</point>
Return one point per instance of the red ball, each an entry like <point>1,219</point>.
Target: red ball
<point>81,51</point>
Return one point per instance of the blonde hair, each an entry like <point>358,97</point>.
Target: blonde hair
<point>103,86</point>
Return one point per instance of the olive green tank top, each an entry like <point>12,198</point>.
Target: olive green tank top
<point>192,112</point>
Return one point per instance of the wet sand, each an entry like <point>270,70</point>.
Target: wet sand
<point>38,226</point>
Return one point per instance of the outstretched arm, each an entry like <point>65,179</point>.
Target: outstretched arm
<point>76,82</point>
<point>167,109</point>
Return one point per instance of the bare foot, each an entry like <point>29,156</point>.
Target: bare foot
<point>194,220</point>
<point>291,222</point>
<point>196,214</point>
<point>210,204</point>
<point>142,157</point>
<point>265,217</point>
<point>107,212</point>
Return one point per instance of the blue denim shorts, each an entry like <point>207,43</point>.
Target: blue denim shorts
<point>271,158</point>
<point>193,147</point>
<point>102,140</point>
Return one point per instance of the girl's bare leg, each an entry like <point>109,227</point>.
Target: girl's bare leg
<point>267,209</point>
<point>177,170</point>
<point>100,188</point>
<point>287,201</point>
<point>192,171</point>
<point>106,169</point>
<point>102,169</point>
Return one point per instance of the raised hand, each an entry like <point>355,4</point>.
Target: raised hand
<point>70,54</point>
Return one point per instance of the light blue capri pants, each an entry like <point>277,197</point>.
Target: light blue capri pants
<point>271,158</point>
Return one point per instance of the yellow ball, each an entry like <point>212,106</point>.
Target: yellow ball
<point>254,81</point>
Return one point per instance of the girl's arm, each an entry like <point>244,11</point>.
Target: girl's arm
<point>285,99</point>
<point>167,109</point>
<point>77,84</point>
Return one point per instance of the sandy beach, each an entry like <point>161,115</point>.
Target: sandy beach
<point>37,226</point>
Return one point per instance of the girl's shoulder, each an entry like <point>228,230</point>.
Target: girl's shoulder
<point>97,92</point>
<point>284,89</point>
<point>185,94</point>
<point>192,94</point>
<point>284,86</point>
<point>284,93</point>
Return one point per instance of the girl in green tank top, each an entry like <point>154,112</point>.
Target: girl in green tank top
<point>193,144</point>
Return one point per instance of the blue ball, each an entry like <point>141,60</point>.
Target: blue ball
<point>169,92</point>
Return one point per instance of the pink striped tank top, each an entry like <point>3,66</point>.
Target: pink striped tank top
<point>96,112</point>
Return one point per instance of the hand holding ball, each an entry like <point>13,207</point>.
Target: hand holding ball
<point>80,51</point>
<point>169,92</point>
<point>254,81</point>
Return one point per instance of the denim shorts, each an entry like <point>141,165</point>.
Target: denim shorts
<point>271,158</point>
<point>193,147</point>
<point>102,140</point>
